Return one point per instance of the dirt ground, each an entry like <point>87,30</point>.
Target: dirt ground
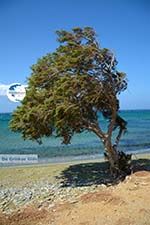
<point>127,203</point>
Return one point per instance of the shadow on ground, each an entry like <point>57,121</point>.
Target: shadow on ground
<point>87,174</point>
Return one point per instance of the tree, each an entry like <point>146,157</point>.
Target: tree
<point>67,91</point>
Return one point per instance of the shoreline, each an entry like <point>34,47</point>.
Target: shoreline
<point>71,159</point>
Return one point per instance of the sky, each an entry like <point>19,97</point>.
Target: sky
<point>27,32</point>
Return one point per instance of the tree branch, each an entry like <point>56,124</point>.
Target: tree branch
<point>97,130</point>
<point>112,122</point>
<point>118,137</point>
<point>121,123</point>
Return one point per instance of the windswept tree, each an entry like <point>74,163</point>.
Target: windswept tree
<point>68,90</point>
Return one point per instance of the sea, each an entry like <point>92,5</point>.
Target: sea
<point>85,145</point>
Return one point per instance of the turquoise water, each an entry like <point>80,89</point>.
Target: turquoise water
<point>83,145</point>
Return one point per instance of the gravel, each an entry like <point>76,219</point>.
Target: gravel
<point>42,194</point>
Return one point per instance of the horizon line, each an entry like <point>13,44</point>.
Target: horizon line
<point>119,110</point>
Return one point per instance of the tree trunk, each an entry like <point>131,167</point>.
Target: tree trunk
<point>120,163</point>
<point>112,156</point>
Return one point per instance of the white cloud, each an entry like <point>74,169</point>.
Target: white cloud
<point>3,89</point>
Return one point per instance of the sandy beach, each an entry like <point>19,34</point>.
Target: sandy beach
<point>78,193</point>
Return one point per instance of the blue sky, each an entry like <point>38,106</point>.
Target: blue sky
<point>27,32</point>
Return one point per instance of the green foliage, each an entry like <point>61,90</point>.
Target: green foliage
<point>68,88</point>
